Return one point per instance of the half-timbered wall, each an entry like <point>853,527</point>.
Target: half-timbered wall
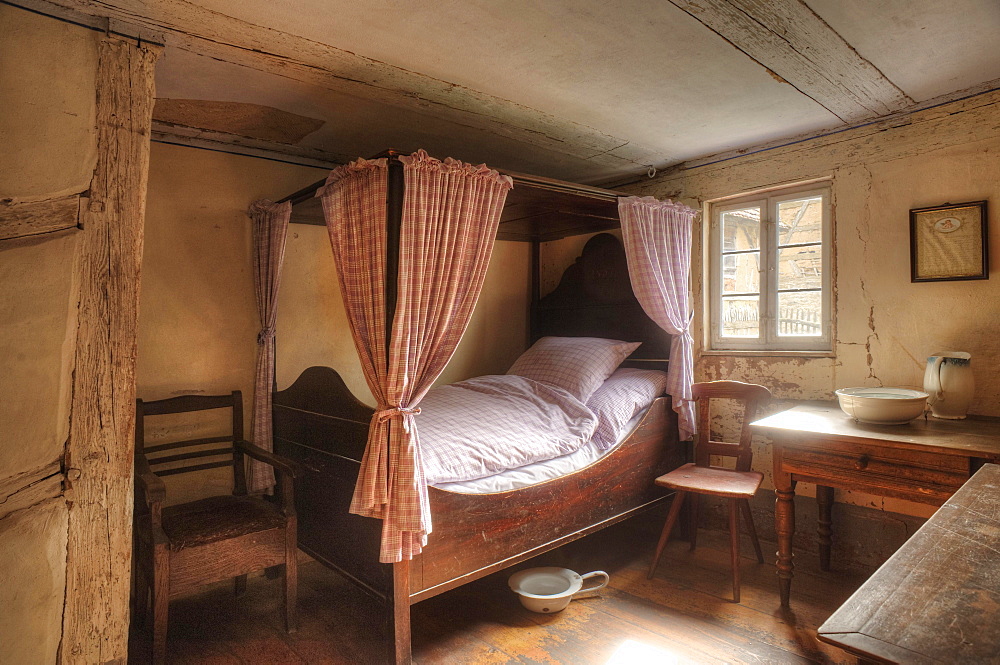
<point>47,128</point>
<point>75,126</point>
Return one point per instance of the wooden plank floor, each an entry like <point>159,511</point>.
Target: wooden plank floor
<point>683,615</point>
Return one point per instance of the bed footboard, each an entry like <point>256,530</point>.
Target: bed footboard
<point>319,423</point>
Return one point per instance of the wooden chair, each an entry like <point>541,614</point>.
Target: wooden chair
<point>181,547</point>
<point>738,485</point>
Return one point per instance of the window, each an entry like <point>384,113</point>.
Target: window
<point>770,263</point>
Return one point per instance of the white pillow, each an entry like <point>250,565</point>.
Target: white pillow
<point>578,365</point>
<point>626,392</point>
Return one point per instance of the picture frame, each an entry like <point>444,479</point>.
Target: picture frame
<point>949,242</point>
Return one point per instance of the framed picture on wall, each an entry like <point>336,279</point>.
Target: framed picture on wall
<point>949,242</point>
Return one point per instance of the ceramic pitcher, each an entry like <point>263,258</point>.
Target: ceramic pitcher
<point>948,381</point>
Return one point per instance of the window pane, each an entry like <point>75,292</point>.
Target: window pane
<point>800,221</point>
<point>800,268</point>
<point>800,314</point>
<point>741,273</point>
<point>741,317</point>
<point>741,229</point>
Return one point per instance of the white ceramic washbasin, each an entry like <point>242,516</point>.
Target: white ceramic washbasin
<point>882,406</point>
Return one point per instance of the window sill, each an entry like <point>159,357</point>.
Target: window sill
<point>765,353</point>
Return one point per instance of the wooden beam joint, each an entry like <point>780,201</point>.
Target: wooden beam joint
<point>20,219</point>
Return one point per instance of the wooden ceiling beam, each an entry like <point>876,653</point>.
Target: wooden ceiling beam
<point>163,132</point>
<point>800,48</point>
<point>187,26</point>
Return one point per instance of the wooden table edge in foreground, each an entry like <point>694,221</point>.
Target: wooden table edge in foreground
<point>925,461</point>
<point>935,600</point>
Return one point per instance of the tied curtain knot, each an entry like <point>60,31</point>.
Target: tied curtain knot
<point>384,413</point>
<point>265,335</point>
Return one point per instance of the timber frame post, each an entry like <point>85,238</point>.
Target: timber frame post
<point>98,459</point>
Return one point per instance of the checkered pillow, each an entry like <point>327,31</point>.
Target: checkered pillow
<point>626,392</point>
<point>578,365</point>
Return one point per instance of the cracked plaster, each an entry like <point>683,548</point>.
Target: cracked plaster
<point>885,325</point>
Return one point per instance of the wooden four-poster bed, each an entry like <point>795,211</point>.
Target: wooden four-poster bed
<point>318,422</point>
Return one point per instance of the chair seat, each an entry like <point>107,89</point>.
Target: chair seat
<point>712,480</point>
<point>218,518</point>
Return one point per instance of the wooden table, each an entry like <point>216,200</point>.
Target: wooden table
<point>937,600</point>
<point>926,460</point>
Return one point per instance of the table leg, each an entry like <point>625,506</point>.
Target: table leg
<point>824,501</point>
<point>784,524</point>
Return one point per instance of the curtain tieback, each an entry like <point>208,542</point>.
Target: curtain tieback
<point>386,413</point>
<point>265,335</point>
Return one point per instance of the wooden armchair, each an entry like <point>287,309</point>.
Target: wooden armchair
<point>180,547</point>
<point>738,485</point>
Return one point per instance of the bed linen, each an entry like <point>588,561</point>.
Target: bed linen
<point>578,365</point>
<point>619,404</point>
<point>624,394</point>
<point>539,472</point>
<point>488,424</point>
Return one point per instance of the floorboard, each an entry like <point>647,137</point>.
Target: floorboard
<point>683,615</point>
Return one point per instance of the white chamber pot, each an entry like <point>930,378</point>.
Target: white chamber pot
<point>548,590</point>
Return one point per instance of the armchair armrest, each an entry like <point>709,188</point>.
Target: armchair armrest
<point>152,486</point>
<point>283,464</point>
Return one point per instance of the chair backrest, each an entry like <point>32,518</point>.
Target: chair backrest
<point>751,396</point>
<point>206,448</point>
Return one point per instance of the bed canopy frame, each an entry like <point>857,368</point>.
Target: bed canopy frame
<point>318,422</point>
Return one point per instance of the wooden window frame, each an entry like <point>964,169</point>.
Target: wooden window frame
<point>769,341</point>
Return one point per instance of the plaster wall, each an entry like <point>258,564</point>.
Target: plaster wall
<point>197,313</point>
<point>886,326</point>
<point>47,83</point>
<point>312,324</point>
<point>498,331</point>
<point>36,298</point>
<point>32,586</point>
<point>47,128</point>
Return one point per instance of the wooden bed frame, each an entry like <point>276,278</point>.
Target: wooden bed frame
<point>318,422</point>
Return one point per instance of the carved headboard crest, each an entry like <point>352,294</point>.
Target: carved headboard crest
<point>594,299</point>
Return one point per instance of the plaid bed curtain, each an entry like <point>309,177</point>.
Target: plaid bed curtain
<point>657,238</point>
<point>451,211</point>
<point>270,224</point>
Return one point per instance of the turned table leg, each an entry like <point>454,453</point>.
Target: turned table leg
<point>784,524</point>
<point>824,500</point>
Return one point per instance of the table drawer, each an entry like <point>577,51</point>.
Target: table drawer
<point>917,475</point>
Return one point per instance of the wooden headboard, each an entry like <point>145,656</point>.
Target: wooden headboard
<point>594,299</point>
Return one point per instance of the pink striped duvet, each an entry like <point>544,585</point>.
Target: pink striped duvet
<point>482,426</point>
